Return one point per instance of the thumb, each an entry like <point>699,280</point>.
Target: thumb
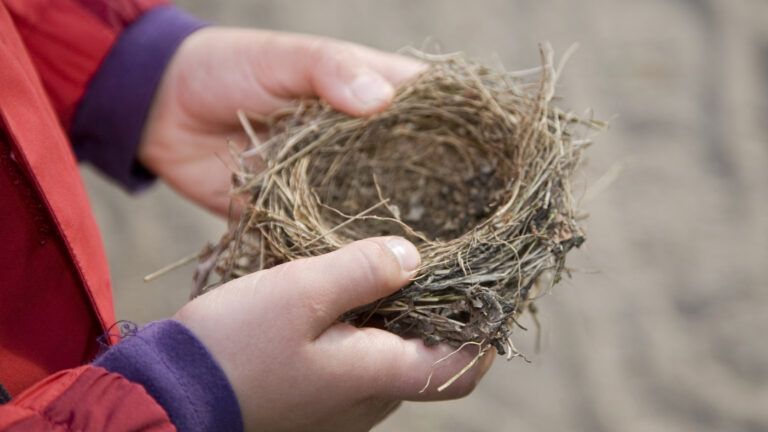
<point>343,80</point>
<point>351,78</point>
<point>318,290</point>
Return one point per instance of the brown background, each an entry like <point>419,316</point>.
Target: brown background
<point>665,328</point>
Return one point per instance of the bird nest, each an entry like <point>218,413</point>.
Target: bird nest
<point>473,165</point>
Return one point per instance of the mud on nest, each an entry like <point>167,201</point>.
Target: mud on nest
<point>471,164</point>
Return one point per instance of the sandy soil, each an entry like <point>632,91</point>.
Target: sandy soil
<point>665,327</point>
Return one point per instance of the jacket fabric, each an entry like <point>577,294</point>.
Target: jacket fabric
<point>78,76</point>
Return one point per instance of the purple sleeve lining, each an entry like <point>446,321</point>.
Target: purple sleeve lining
<point>180,374</point>
<point>109,120</point>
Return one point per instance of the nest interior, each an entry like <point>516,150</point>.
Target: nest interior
<point>471,164</point>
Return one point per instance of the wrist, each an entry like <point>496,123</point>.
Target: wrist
<point>110,119</point>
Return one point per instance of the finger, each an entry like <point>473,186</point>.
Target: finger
<point>353,79</point>
<point>347,83</point>
<point>423,373</point>
<point>393,367</point>
<point>318,290</point>
<point>396,68</point>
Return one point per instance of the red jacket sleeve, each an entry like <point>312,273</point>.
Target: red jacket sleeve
<point>68,39</point>
<point>88,398</point>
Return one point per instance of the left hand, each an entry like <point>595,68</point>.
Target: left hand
<point>294,367</point>
<point>217,71</point>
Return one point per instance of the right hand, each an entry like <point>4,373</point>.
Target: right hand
<point>295,367</point>
<point>217,71</point>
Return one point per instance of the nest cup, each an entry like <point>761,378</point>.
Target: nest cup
<point>471,164</point>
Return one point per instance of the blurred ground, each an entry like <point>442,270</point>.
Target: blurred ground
<point>666,328</point>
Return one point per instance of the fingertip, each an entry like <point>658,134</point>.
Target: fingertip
<point>440,372</point>
<point>407,369</point>
<point>408,69</point>
<point>391,261</point>
<point>487,361</point>
<point>396,68</point>
<point>406,253</point>
<point>345,81</point>
<point>369,93</point>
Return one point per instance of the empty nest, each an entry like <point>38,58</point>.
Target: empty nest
<point>471,164</point>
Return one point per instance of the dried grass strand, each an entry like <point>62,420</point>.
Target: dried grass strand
<point>472,164</point>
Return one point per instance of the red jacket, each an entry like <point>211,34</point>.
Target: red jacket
<point>55,297</point>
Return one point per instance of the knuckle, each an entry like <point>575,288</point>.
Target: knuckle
<point>294,284</point>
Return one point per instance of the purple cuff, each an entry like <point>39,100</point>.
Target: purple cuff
<point>180,374</point>
<point>108,124</point>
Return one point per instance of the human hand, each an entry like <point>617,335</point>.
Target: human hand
<point>294,367</point>
<point>217,71</point>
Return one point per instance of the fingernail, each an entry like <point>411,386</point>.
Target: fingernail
<point>371,90</point>
<point>406,253</point>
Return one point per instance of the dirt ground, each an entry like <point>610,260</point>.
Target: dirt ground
<point>664,327</point>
